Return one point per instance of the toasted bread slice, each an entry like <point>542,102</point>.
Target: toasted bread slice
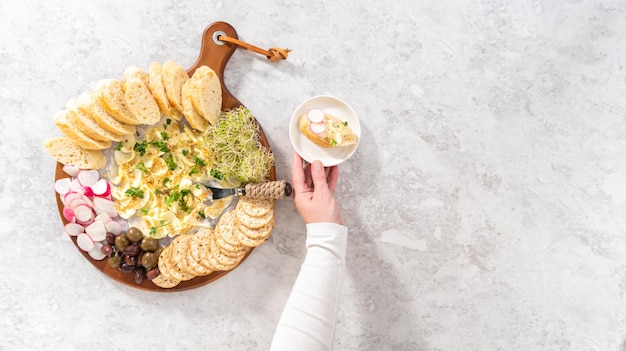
<point>65,151</point>
<point>191,115</point>
<point>174,76</point>
<point>87,124</point>
<point>111,94</point>
<point>206,94</point>
<point>75,134</point>
<point>158,91</point>
<point>335,132</point>
<point>141,102</point>
<point>90,105</point>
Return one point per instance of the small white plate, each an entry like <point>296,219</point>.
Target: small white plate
<point>310,151</point>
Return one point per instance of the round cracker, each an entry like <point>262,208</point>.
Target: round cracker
<point>230,250</point>
<point>178,257</point>
<point>247,241</point>
<point>193,260</point>
<point>254,222</point>
<point>224,228</point>
<point>262,233</point>
<point>163,281</point>
<point>255,207</point>
<point>221,258</point>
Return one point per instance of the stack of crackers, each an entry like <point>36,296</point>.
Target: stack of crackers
<point>239,230</point>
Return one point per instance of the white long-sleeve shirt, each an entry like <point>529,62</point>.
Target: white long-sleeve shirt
<point>308,319</point>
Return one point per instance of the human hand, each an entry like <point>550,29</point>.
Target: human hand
<point>313,187</point>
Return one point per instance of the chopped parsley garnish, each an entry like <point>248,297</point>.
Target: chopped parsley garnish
<point>185,152</point>
<point>119,146</point>
<point>345,123</point>
<point>141,148</point>
<point>216,174</point>
<point>165,136</point>
<point>162,145</point>
<point>170,163</point>
<point>134,192</point>
<point>142,167</point>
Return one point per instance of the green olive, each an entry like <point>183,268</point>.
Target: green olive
<point>115,261</point>
<point>149,260</point>
<point>149,244</point>
<point>134,234</point>
<point>121,242</point>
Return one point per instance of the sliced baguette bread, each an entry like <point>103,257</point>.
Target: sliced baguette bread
<point>141,102</point>
<point>191,115</point>
<point>77,136</point>
<point>112,96</point>
<point>90,105</point>
<point>135,72</point>
<point>158,91</point>
<point>65,151</point>
<point>206,94</point>
<point>174,76</point>
<point>87,124</point>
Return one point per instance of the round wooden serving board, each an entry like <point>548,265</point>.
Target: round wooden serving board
<point>215,54</point>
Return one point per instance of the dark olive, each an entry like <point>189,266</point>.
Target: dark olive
<point>149,244</point>
<point>153,273</point>
<point>149,260</point>
<point>107,250</point>
<point>115,261</point>
<point>130,260</point>
<point>140,275</point>
<point>126,268</point>
<point>110,239</point>
<point>134,234</point>
<point>121,242</point>
<point>132,249</point>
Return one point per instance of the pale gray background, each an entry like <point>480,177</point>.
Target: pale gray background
<point>486,202</point>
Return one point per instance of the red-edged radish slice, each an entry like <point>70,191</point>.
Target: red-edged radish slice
<point>62,186</point>
<point>96,231</point>
<point>96,252</point>
<point>68,214</point>
<point>71,170</point>
<point>76,187</point>
<point>71,196</point>
<point>88,201</point>
<point>88,177</point>
<point>103,217</point>
<point>84,242</point>
<point>315,115</point>
<point>87,191</point>
<point>83,213</point>
<point>77,202</point>
<point>101,188</point>
<point>317,128</point>
<point>102,205</point>
<point>73,229</point>
<point>113,227</point>
<point>85,223</point>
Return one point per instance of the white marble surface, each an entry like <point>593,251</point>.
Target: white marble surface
<point>486,203</point>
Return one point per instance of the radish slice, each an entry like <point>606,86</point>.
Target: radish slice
<point>96,231</point>
<point>87,191</point>
<point>67,199</point>
<point>71,170</point>
<point>102,205</point>
<point>85,223</point>
<point>103,217</point>
<point>62,186</point>
<point>113,227</point>
<point>87,200</point>
<point>68,214</point>
<point>96,252</point>
<point>77,202</point>
<point>76,187</point>
<point>84,242</point>
<point>88,177</point>
<point>73,229</point>
<point>315,115</point>
<point>83,213</point>
<point>317,128</point>
<point>101,188</point>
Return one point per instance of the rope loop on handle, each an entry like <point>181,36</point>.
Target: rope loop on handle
<point>273,54</point>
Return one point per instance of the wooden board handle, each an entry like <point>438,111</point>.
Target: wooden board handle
<point>215,54</point>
